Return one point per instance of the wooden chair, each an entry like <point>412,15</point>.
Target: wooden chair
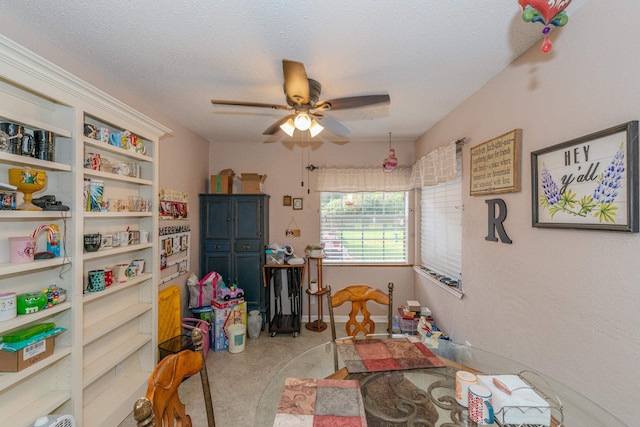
<point>358,295</point>
<point>162,406</point>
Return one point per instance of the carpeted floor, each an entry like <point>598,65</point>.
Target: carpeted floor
<point>237,380</point>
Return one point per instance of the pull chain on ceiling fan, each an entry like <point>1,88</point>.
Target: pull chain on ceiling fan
<point>303,98</point>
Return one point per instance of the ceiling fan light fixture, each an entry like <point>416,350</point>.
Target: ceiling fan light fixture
<point>288,127</point>
<point>302,121</point>
<point>315,128</point>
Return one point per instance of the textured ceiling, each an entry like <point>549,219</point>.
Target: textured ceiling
<point>428,55</point>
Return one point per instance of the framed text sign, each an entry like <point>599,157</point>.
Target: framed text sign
<point>495,165</point>
<point>589,182</point>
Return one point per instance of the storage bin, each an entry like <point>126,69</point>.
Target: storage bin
<point>408,326</point>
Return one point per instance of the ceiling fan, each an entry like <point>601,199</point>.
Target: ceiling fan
<point>303,98</point>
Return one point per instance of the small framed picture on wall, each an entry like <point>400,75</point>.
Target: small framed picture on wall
<point>286,200</point>
<point>297,203</point>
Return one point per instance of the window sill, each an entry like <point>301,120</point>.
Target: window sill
<point>453,291</point>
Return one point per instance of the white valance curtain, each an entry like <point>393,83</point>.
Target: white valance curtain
<point>436,167</point>
<point>355,179</point>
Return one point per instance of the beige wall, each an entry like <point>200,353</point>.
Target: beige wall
<point>561,301</point>
<point>283,163</point>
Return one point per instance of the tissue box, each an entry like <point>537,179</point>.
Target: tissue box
<point>523,406</point>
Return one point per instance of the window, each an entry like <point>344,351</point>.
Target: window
<point>441,227</point>
<point>364,227</point>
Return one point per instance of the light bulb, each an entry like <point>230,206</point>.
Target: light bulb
<point>315,128</point>
<point>302,121</point>
<point>288,127</point>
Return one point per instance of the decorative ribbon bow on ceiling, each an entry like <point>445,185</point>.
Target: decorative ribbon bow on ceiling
<point>548,12</point>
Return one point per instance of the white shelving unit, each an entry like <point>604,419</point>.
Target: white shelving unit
<point>102,362</point>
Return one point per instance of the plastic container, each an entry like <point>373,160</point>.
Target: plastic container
<point>254,322</point>
<point>8,306</point>
<point>408,326</point>
<point>21,249</point>
<point>236,333</point>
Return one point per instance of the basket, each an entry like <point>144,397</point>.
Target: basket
<point>203,325</point>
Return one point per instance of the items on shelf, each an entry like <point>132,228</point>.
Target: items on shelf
<point>173,204</point>
<point>96,201</point>
<point>277,254</point>
<point>8,306</point>
<point>28,181</point>
<point>125,139</point>
<point>98,162</point>
<point>100,279</point>
<point>27,346</point>
<point>7,198</point>
<point>16,139</point>
<point>96,241</point>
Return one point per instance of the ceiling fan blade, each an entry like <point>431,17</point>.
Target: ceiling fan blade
<point>276,126</point>
<point>333,126</point>
<point>250,104</point>
<point>296,82</point>
<point>353,102</point>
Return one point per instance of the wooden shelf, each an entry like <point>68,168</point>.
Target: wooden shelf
<point>31,123</point>
<point>32,162</point>
<point>116,177</point>
<point>105,215</point>
<point>317,325</point>
<point>116,287</point>
<point>106,325</point>
<point>115,251</point>
<point>25,319</point>
<point>8,379</point>
<point>39,215</point>
<point>117,150</point>
<point>25,415</point>
<point>111,358</point>
<point>7,268</point>
<point>113,406</point>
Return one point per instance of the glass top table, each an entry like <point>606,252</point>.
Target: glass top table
<point>431,390</point>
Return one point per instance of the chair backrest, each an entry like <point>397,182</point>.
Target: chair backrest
<point>162,406</point>
<point>358,295</point>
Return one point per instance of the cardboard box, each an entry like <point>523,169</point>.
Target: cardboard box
<point>253,183</point>
<point>220,303</point>
<point>221,184</point>
<point>218,339</point>
<point>28,356</point>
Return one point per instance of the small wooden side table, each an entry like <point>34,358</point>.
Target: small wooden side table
<point>317,325</point>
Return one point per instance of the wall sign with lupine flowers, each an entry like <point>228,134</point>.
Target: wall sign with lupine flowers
<point>589,182</point>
